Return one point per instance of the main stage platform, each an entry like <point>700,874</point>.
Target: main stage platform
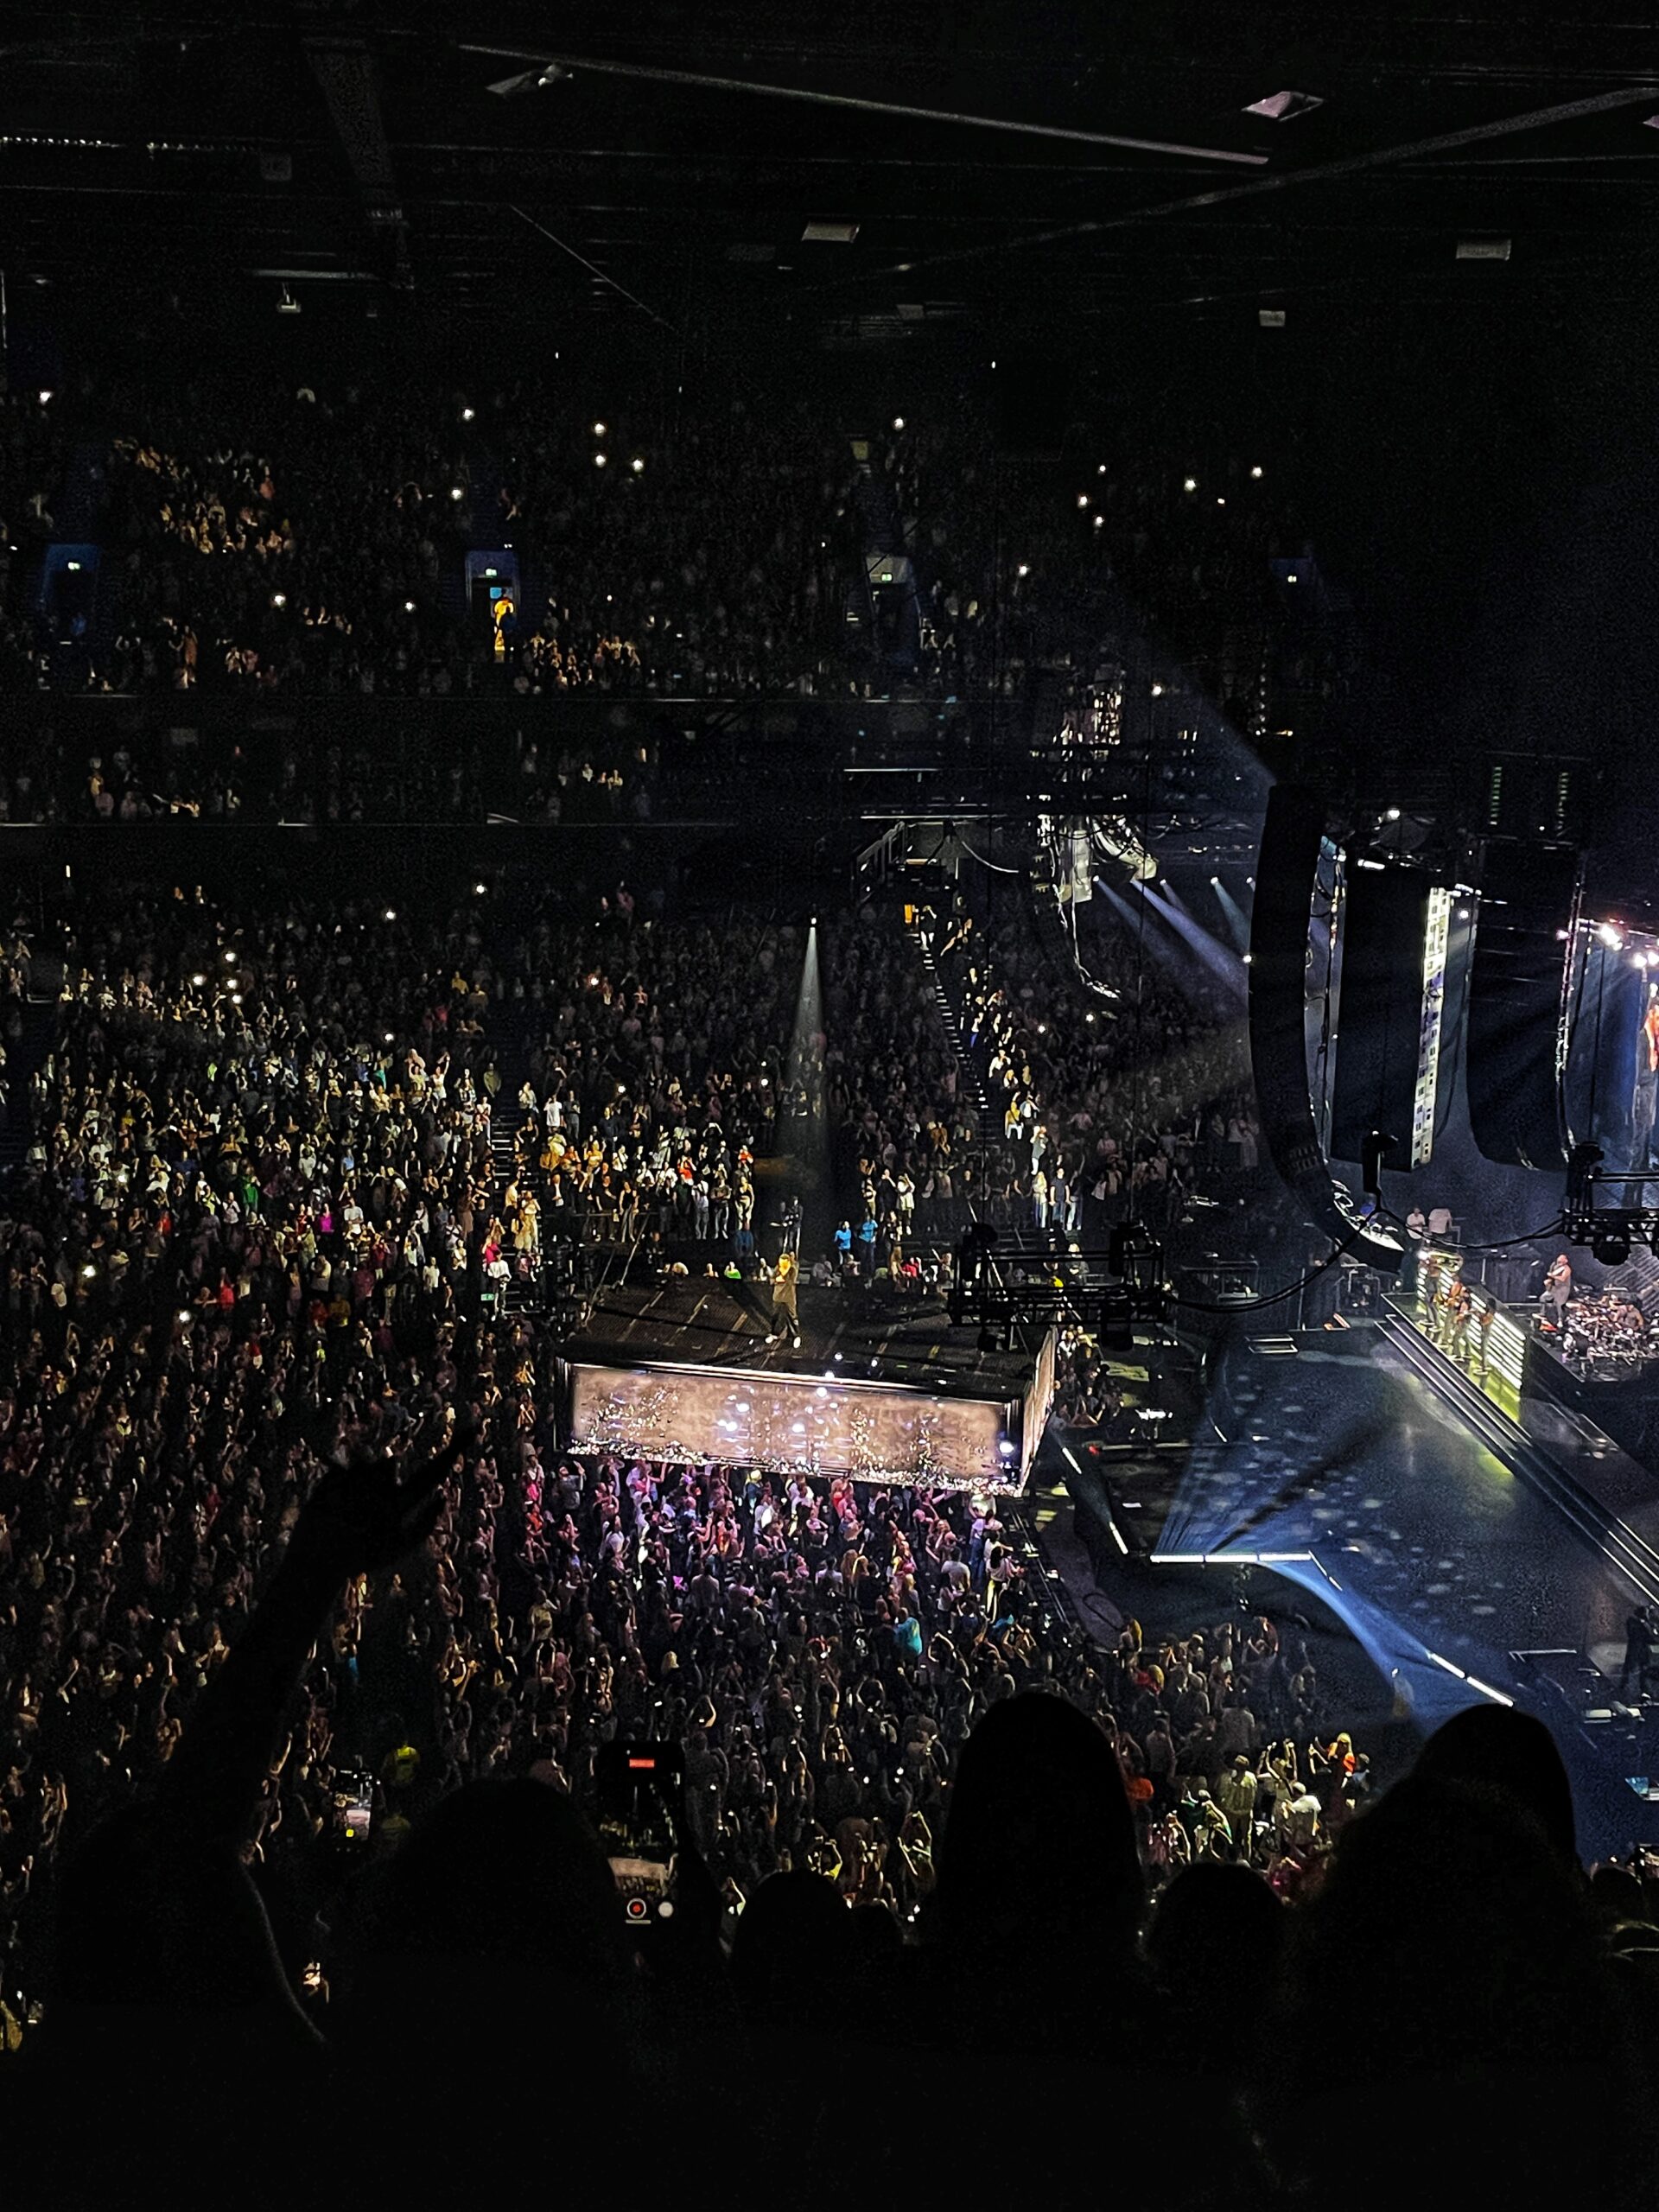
<point>882,1389</point>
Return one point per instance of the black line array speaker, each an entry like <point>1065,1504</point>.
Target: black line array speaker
<point>1279,940</point>
<point>1527,897</point>
<point>1384,928</point>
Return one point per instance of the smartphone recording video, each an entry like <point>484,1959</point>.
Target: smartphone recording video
<point>355,1806</point>
<point>640,1787</point>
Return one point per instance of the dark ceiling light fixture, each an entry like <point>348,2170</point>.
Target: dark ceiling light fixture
<point>828,233</point>
<point>286,302</point>
<point>1285,107</point>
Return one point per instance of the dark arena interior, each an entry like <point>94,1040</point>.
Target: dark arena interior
<point>829,1046</point>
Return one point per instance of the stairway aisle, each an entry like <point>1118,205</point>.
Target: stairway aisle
<point>510,1036</point>
<point>973,1092</point>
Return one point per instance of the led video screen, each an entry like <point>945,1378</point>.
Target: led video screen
<point>1611,1048</point>
<point>798,1424</point>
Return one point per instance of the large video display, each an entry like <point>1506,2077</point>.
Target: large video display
<point>874,1432</point>
<point>1612,1048</point>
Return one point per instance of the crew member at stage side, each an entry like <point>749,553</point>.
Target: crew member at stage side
<point>1646,1094</point>
<point>1558,1288</point>
<point>1639,1651</point>
<point>786,1283</point>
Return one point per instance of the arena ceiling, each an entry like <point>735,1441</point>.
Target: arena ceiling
<point>203,149</point>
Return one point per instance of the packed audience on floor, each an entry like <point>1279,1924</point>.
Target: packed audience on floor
<point>260,1200</point>
<point>283,1160</point>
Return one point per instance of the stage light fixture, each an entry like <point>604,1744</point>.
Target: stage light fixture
<point>1611,1247</point>
<point>599,430</point>
<point>898,421</point>
<point>286,302</point>
<point>1256,472</point>
<point>637,465</point>
<point>1022,570</point>
<point>1611,937</point>
<point>599,460</point>
<point>456,491</point>
<point>1189,484</point>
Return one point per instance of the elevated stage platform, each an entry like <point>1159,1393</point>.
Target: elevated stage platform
<point>1602,1493</point>
<point>1472,1553</point>
<point>882,1389</point>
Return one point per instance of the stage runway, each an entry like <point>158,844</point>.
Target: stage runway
<point>1429,1547</point>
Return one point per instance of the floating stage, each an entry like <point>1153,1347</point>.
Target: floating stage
<point>883,1390</point>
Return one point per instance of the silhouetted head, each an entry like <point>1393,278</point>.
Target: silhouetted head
<point>1450,1967</point>
<point>505,1880</point>
<point>1040,1840</point>
<point>1619,1897</point>
<point>1497,1746</point>
<point>1218,1928</point>
<point>794,1935</point>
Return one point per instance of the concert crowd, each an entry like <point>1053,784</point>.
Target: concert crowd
<point>312,1640</point>
<point>261,1226</point>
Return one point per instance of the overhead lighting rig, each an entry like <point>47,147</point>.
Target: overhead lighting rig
<point>1001,1290</point>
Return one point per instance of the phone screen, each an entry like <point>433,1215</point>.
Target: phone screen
<point>638,1787</point>
<point>355,1806</point>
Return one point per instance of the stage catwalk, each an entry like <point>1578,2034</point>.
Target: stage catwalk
<point>1350,1474</point>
